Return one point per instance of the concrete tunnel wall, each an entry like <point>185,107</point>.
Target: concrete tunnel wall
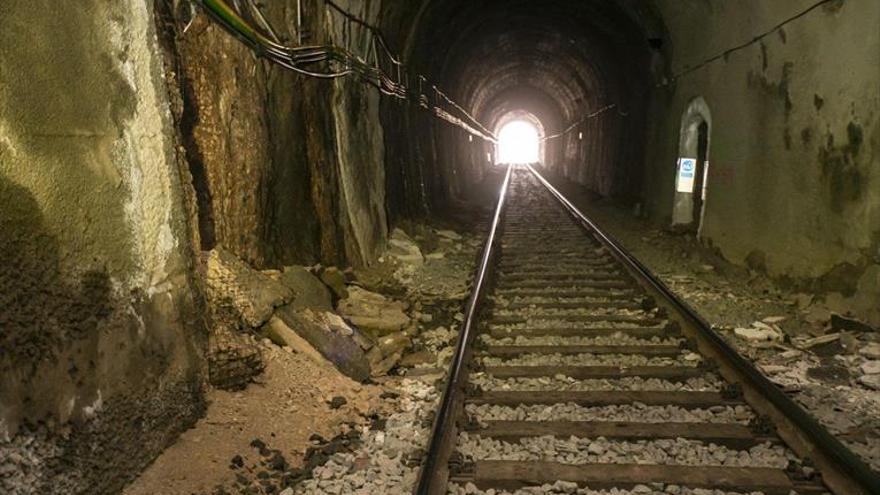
<point>794,157</point>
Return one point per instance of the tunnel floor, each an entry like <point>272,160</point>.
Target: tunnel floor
<point>303,427</point>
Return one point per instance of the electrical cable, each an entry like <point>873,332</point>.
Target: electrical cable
<point>595,114</point>
<point>267,44</point>
<point>746,44</point>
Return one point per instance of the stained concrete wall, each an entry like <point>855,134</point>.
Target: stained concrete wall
<point>291,167</point>
<point>795,144</point>
<point>100,347</point>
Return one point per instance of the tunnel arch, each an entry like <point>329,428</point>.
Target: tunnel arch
<point>692,166</point>
<point>560,60</point>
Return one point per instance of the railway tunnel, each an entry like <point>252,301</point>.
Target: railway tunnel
<point>301,246</point>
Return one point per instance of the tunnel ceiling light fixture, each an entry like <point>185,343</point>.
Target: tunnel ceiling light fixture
<point>519,142</point>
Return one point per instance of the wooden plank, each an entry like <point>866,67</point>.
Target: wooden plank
<point>687,400</point>
<point>640,332</point>
<point>728,434</point>
<point>644,350</point>
<point>515,474</point>
<point>673,373</point>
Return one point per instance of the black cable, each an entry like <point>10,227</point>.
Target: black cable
<point>749,43</point>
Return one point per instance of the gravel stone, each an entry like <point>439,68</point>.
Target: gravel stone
<point>628,412</point>
<point>576,451</point>
<point>706,383</point>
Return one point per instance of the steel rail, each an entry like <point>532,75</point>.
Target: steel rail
<point>434,473</point>
<point>842,471</point>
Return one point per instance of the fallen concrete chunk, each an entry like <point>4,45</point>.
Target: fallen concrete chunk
<point>278,332</point>
<point>251,294</point>
<point>871,381</point>
<point>331,336</point>
<point>871,368</point>
<point>403,249</point>
<point>449,234</point>
<point>758,334</point>
<point>839,322</point>
<point>417,358</point>
<point>871,351</point>
<point>373,313</point>
<point>823,339</point>
<point>335,279</point>
<point>309,291</point>
<point>394,343</point>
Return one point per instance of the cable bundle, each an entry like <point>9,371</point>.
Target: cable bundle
<point>378,67</point>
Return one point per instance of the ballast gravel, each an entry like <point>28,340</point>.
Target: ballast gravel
<point>568,487</point>
<point>546,312</point>
<point>627,412</point>
<point>575,451</point>
<point>614,339</point>
<point>624,360</point>
<point>706,383</point>
<point>383,463</point>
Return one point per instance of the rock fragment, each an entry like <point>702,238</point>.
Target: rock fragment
<point>252,294</point>
<point>309,291</point>
<point>373,313</point>
<point>402,248</point>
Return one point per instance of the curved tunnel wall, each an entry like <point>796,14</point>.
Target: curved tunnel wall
<point>559,61</point>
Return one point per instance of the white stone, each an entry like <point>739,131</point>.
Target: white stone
<point>871,351</point>
<point>871,367</point>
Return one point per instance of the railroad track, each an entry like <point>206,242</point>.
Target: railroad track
<point>575,368</point>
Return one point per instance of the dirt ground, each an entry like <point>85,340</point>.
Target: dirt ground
<point>820,366</point>
<point>289,404</point>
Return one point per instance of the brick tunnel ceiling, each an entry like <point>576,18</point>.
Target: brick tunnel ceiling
<point>557,60</point>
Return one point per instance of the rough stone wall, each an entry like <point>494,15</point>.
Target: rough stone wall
<point>293,166</point>
<point>795,141</point>
<point>100,347</point>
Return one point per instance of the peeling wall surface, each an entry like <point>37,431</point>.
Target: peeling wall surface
<point>795,140</point>
<point>99,340</point>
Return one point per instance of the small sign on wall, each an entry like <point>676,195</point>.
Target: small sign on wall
<point>687,168</point>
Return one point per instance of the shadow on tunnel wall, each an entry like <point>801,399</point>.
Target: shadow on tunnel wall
<point>40,309</point>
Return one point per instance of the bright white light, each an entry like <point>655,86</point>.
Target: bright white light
<point>518,142</point>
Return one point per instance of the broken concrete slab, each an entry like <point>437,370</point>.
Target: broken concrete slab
<point>309,291</point>
<point>278,332</point>
<point>840,322</point>
<point>871,367</point>
<point>759,332</point>
<point>332,337</point>
<point>449,235</point>
<point>394,343</point>
<point>870,351</point>
<point>335,280</point>
<point>251,294</point>
<point>402,248</point>
<point>871,381</point>
<point>373,312</point>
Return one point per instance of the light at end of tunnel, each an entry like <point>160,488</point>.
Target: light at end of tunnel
<point>581,136</point>
<point>489,157</point>
<point>518,142</point>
